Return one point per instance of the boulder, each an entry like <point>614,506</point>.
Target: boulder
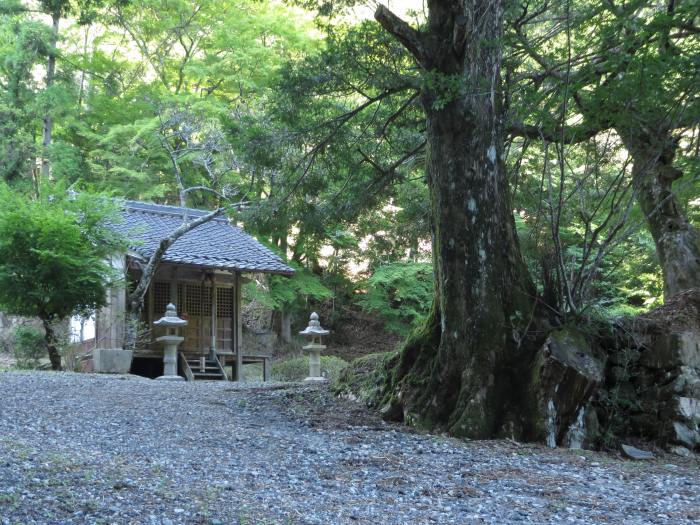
<point>363,381</point>
<point>565,374</point>
<point>585,431</point>
<point>672,359</point>
<point>673,349</point>
<point>636,453</point>
<point>685,435</point>
<point>681,419</point>
<point>687,382</point>
<point>689,409</point>
<point>680,451</point>
<point>652,389</point>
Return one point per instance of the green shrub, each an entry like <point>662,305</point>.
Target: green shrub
<point>29,346</point>
<point>297,368</point>
<point>401,293</point>
<point>252,372</point>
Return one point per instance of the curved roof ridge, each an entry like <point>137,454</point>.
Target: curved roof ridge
<point>215,244</point>
<point>168,209</point>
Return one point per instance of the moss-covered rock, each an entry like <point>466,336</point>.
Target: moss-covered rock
<point>565,374</point>
<point>364,379</point>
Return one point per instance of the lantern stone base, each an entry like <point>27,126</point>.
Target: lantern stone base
<point>314,350</point>
<point>170,357</point>
<point>316,379</point>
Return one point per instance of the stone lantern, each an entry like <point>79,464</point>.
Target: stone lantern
<point>314,332</point>
<point>170,341</point>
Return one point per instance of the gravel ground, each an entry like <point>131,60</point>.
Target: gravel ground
<point>79,448</point>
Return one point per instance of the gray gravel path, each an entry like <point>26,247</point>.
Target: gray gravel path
<point>78,448</point>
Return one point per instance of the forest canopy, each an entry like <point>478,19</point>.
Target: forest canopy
<point>311,114</point>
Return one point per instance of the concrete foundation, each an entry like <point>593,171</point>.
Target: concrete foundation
<point>111,360</point>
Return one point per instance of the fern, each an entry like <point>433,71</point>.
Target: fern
<point>400,293</point>
<point>285,293</point>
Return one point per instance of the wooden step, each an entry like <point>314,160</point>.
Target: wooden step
<point>202,368</point>
<point>207,375</point>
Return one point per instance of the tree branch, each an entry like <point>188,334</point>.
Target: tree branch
<point>569,135</point>
<point>397,114</point>
<point>340,121</point>
<point>411,39</point>
<point>387,173</point>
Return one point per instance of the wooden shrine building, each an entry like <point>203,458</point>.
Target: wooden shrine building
<point>202,275</point>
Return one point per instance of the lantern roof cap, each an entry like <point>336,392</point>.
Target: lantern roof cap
<point>314,327</point>
<point>170,318</point>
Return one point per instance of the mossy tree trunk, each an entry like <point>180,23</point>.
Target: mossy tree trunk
<point>467,369</point>
<point>677,242</point>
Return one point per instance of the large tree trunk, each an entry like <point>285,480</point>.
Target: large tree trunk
<point>50,75</point>
<point>52,345</point>
<point>282,325</point>
<point>466,371</point>
<point>282,319</point>
<point>677,241</point>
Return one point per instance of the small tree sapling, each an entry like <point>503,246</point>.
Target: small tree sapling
<point>54,258</point>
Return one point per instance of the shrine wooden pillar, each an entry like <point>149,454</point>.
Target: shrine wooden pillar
<point>237,328</point>
<point>214,326</point>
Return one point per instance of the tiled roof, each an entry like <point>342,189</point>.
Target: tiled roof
<point>214,244</point>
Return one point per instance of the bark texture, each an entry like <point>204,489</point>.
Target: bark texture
<point>466,370</point>
<point>282,324</point>
<point>52,345</point>
<point>47,130</point>
<point>677,241</point>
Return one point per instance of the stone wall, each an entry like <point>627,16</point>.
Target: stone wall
<point>664,389</point>
<point>652,381</point>
<point>258,332</point>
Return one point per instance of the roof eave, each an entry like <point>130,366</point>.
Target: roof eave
<point>142,258</point>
